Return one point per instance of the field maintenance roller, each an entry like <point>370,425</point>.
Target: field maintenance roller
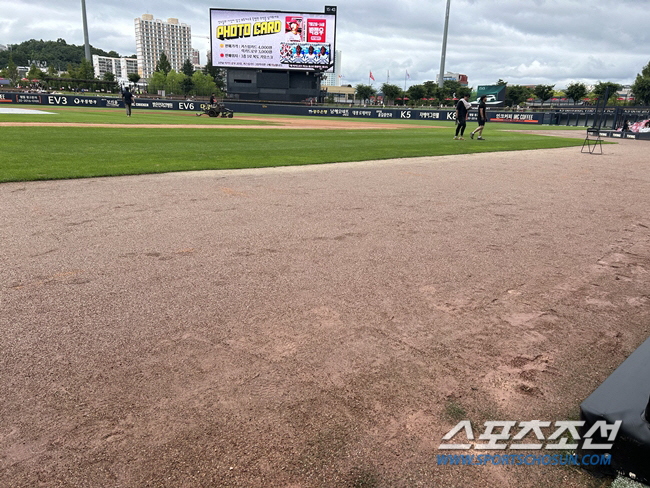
<point>215,109</point>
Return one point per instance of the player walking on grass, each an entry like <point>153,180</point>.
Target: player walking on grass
<point>482,118</point>
<point>462,108</point>
<point>128,100</point>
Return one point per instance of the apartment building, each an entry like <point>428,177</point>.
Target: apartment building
<point>154,37</point>
<point>120,67</point>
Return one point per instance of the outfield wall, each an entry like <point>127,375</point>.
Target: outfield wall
<point>262,108</point>
<point>85,101</point>
<point>610,119</point>
<point>380,113</point>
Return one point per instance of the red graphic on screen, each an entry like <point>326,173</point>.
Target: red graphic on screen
<point>316,29</point>
<point>293,29</point>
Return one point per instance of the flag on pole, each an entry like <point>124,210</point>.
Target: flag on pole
<point>407,74</point>
<point>372,77</point>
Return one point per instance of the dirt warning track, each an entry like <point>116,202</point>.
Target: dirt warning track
<point>314,326</point>
<point>274,123</point>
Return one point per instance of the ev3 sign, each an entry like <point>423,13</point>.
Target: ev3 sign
<point>497,434</point>
<point>54,100</point>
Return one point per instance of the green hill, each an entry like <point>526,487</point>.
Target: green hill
<point>57,53</point>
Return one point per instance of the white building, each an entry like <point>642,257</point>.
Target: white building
<point>460,78</point>
<point>154,37</point>
<point>333,79</point>
<point>120,67</point>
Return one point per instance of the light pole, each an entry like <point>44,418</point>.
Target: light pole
<point>441,79</point>
<point>83,14</point>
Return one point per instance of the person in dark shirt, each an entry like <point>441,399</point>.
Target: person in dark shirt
<point>127,96</point>
<point>482,118</point>
<point>461,116</point>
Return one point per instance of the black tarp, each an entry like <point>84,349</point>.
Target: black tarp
<point>624,396</point>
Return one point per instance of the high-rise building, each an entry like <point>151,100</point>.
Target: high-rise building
<point>154,37</point>
<point>333,79</point>
<point>120,67</point>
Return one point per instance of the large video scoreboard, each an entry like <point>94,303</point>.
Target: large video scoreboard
<point>293,41</point>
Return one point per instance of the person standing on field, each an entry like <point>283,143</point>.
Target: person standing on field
<point>461,116</point>
<point>482,118</point>
<point>127,96</point>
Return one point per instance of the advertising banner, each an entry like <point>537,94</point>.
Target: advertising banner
<point>530,118</point>
<point>273,40</point>
<point>494,93</point>
<point>382,113</point>
<point>28,98</point>
<point>87,101</point>
<point>257,108</point>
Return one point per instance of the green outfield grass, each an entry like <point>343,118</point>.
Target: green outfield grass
<point>38,153</point>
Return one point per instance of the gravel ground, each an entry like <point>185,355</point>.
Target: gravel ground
<point>314,326</point>
<point>621,482</point>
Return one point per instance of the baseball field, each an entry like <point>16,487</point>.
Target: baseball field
<point>268,321</point>
<point>85,142</point>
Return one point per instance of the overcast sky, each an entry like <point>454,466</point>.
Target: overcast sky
<point>520,41</point>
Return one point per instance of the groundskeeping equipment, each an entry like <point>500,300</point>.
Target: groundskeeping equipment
<point>216,109</point>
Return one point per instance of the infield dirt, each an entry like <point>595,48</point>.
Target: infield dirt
<point>272,123</point>
<point>315,325</point>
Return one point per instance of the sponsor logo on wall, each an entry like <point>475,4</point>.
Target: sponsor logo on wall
<point>20,98</point>
<point>57,100</point>
<point>85,101</point>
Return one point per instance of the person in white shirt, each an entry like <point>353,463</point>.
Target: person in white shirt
<point>299,56</point>
<point>294,34</point>
<point>311,55</point>
<point>323,58</point>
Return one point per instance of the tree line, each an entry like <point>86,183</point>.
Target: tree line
<point>80,74</point>
<point>516,95</point>
<point>188,81</point>
<point>57,54</point>
<point>415,94</point>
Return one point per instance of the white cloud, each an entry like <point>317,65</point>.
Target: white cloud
<point>521,41</point>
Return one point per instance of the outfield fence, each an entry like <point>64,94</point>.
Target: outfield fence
<point>611,118</point>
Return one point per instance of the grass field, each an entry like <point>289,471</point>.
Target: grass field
<point>38,153</point>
